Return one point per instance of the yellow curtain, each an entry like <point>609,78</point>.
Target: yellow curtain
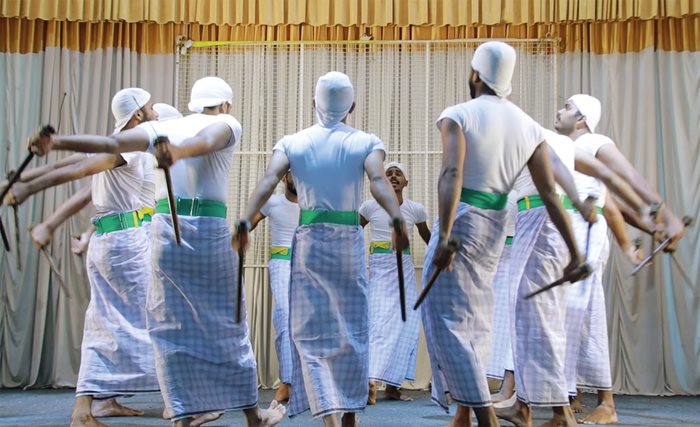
<point>371,13</point>
<point>670,34</point>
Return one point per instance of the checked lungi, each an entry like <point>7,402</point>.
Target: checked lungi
<point>116,352</point>
<point>205,362</point>
<point>539,256</point>
<point>587,354</point>
<point>280,275</point>
<point>458,310</point>
<point>393,343</point>
<point>501,356</point>
<point>328,320</point>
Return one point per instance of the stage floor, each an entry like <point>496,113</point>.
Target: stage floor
<point>53,408</point>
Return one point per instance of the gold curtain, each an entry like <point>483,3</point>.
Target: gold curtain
<point>371,13</point>
<point>669,34</point>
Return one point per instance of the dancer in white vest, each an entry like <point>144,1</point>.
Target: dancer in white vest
<point>328,294</point>
<point>393,344</point>
<point>283,211</point>
<point>204,359</point>
<point>500,364</point>
<point>486,143</point>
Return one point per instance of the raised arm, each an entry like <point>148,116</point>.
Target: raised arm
<point>30,174</point>
<point>543,178</point>
<point>43,233</point>
<point>384,194</point>
<point>86,167</point>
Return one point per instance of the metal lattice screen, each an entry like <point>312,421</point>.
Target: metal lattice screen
<point>401,88</point>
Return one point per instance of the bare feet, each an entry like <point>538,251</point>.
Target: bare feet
<point>602,414</point>
<point>257,417</point>
<point>393,393</point>
<point>110,408</point>
<point>205,418</point>
<point>85,420</point>
<point>576,404</point>
<point>283,392</point>
<point>563,417</point>
<point>518,414</point>
<point>507,389</point>
<point>462,418</point>
<point>372,397</point>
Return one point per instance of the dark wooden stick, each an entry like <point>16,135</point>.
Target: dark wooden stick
<point>579,273</point>
<point>452,246</point>
<point>687,222</point>
<point>396,223</point>
<point>171,194</point>
<point>15,210</point>
<point>3,234</point>
<point>54,268</point>
<point>242,227</point>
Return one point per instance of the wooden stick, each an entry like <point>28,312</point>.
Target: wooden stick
<point>399,266</point>
<point>241,228</point>
<point>452,247</point>
<point>579,273</point>
<point>687,222</point>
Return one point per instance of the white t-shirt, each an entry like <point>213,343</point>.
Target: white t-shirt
<point>203,177</point>
<point>119,190</point>
<point>565,149</point>
<point>328,165</point>
<point>148,189</point>
<point>585,184</point>
<point>500,140</point>
<point>380,221</point>
<point>284,219</point>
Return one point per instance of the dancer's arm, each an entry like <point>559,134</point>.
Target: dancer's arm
<point>616,223</point>
<point>43,232</point>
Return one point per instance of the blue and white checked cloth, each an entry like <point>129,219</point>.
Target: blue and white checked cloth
<point>501,356</point>
<point>280,275</point>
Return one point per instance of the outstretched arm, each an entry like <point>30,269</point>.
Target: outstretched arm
<point>87,166</point>
<point>543,178</point>
<point>424,231</point>
<point>30,174</point>
<point>43,232</point>
<point>135,139</point>
<point>613,158</point>
<point>589,165</point>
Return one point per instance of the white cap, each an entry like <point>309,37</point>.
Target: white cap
<point>334,97</point>
<point>209,92</point>
<point>495,63</point>
<point>588,106</point>
<point>398,166</point>
<point>125,104</point>
<point>166,112</point>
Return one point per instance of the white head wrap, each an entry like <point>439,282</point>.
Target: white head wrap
<point>209,92</point>
<point>589,107</point>
<point>126,103</point>
<point>166,112</point>
<point>334,97</point>
<point>398,166</point>
<point>495,62</point>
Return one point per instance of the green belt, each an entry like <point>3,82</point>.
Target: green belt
<point>333,217</point>
<point>122,221</point>
<point>509,240</point>
<point>532,202</point>
<point>193,207</point>
<point>381,247</point>
<point>484,200</point>
<point>281,252</point>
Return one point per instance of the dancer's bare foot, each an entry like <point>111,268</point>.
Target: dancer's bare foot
<point>81,416</point>
<point>372,396</point>
<point>519,414</point>
<point>507,388</point>
<point>462,418</point>
<point>602,414</point>
<point>349,419</point>
<point>393,393</point>
<point>111,408</point>
<point>576,404</point>
<point>283,392</point>
<point>257,417</point>
<point>563,417</point>
<point>205,418</point>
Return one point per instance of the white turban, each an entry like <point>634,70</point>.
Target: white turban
<point>126,103</point>
<point>334,97</point>
<point>166,112</point>
<point>495,62</point>
<point>398,166</point>
<point>589,107</point>
<point>209,92</point>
